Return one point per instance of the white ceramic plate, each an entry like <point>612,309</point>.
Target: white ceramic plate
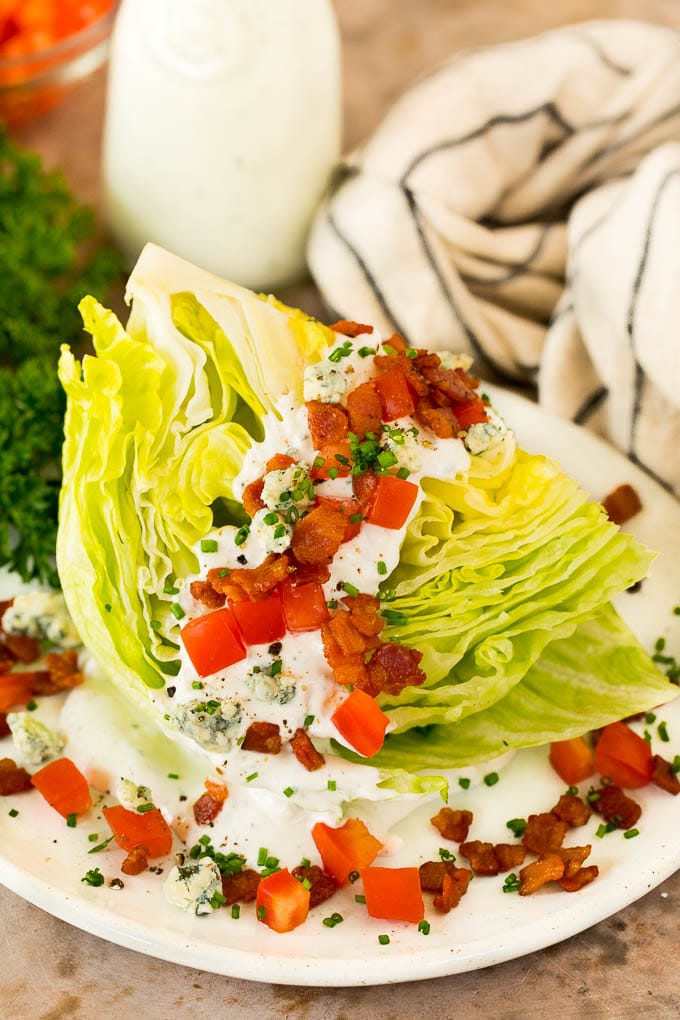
<point>43,860</point>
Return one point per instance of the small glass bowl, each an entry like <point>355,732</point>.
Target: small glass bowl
<point>33,84</point>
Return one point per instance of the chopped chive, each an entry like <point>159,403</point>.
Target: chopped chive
<point>93,837</point>
<point>647,736</point>
<point>197,685</point>
<point>491,778</point>
<point>306,884</point>
<point>208,545</point>
<point>411,352</point>
<point>359,898</point>
<point>72,820</point>
<point>676,610</point>
<point>241,535</point>
<point>261,913</point>
<point>356,519</point>
<point>660,644</point>
<point>662,730</point>
<point>334,919</point>
<point>93,877</point>
<point>424,927</point>
<point>318,462</point>
<point>675,765</point>
<point>262,855</point>
<point>382,566</point>
<point>365,352</point>
<point>631,833</point>
<point>388,349</point>
<point>177,611</point>
<point>384,940</point>
<point>13,812</point>
<point>333,472</point>
<point>155,624</point>
<point>572,791</point>
<point>305,862</point>
<point>253,775</point>
<point>272,863</point>
<point>446,855</point>
<point>31,706</point>
<point>143,809</point>
<point>224,572</point>
<point>386,458</point>
<point>235,911</point>
<point>464,783</point>
<point>349,588</point>
<point>650,718</point>
<point>403,473</point>
<point>108,607</point>
<point>217,900</point>
<point>517,826</point>
<point>170,589</point>
<point>288,792</point>
<point>271,518</point>
<point>511,884</point>
<point>100,846</point>
<point>331,785</point>
<point>276,667</point>
<point>173,775</point>
<point>279,531</point>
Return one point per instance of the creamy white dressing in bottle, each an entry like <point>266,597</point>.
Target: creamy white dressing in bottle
<point>222,126</point>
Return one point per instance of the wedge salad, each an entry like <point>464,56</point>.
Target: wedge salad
<point>318,570</point>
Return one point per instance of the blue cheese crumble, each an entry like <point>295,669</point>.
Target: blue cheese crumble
<point>131,796</point>
<point>42,616</point>
<point>482,437</point>
<point>34,742</point>
<point>324,382</point>
<point>192,886</point>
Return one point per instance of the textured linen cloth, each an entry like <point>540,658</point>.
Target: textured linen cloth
<point>523,203</point>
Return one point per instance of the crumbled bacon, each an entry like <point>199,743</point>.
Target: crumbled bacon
<point>279,462</point>
<point>350,328</point>
<point>40,682</point>
<point>136,861</point>
<point>207,808</point>
<point>204,593</point>
<point>452,824</point>
<point>305,752</point>
<point>318,536</point>
<point>348,638</point>
<point>508,855</point>
<point>328,423</point>
<point>549,868</point>
<point>365,411</point>
<point>572,810</point>
<point>544,833</point>
<point>262,737</point>
<point>7,660</point>
<point>616,808</point>
<point>394,666</point>
<point>454,887</point>
<point>321,885</point>
<point>663,775</point>
<point>252,497</point>
<point>441,420</point>
<point>432,874</point>
<point>581,878</point>
<point>573,857</point>
<point>13,778</point>
<point>365,488</point>
<point>254,583</point>
<point>24,649</point>
<point>241,887</point>
<point>364,613</point>
<point>481,857</point>
<point>621,504</point>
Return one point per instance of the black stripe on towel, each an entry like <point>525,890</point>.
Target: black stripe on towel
<point>515,269</point>
<point>370,278</point>
<point>591,405</point>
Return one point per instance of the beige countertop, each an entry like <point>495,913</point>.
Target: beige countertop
<point>621,967</point>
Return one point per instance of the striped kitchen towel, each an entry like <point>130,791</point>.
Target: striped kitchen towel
<point>523,203</point>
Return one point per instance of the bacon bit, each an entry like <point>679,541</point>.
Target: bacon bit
<point>252,497</point>
<point>621,504</point>
<point>663,775</point>
<point>24,649</point>
<point>535,875</point>
<point>573,857</point>
<point>350,328</point>
<point>353,674</point>
<point>348,638</point>
<point>365,410</point>
<point>318,536</point>
<point>454,887</point>
<point>279,462</point>
<point>240,888</point>
<point>394,666</point>
<point>453,825</point>
<point>207,808</point>
<point>305,752</point>
<point>364,613</point>
<point>262,737</point>
<point>63,669</point>
<point>572,810</point>
<point>218,791</point>
<point>583,877</point>
<point>328,423</point>
<point>481,857</point>
<point>432,874</point>
<point>254,584</point>
<point>309,573</point>
<point>7,660</point>
<point>136,861</point>
<point>441,420</point>
<point>508,855</point>
<point>331,649</point>
<point>4,727</point>
<point>449,384</point>
<point>615,807</point>
<point>365,488</point>
<point>321,885</point>
<point>544,833</point>
<point>204,592</point>
<point>40,682</point>
<point>13,779</point>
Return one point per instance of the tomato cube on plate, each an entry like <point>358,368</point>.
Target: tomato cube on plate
<point>213,641</point>
<point>261,622</point>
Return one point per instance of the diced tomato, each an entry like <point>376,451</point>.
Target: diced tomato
<point>132,828</point>
<point>213,641</point>
<point>395,396</point>
<point>623,756</point>
<point>393,502</point>
<point>262,622</point>
<point>15,689</point>
<point>282,902</point>
<point>304,607</point>
<point>572,760</point>
<point>350,508</point>
<point>362,723</point>
<point>470,413</point>
<point>394,894</point>
<point>334,460</point>
<point>350,847</point>
<point>64,787</point>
